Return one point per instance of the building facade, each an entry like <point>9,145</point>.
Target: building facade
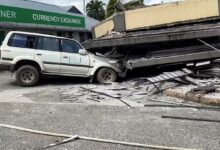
<point>30,16</point>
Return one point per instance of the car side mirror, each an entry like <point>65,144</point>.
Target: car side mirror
<point>83,52</point>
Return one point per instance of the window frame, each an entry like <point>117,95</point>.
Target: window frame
<point>72,40</point>
<point>59,41</point>
<point>26,44</point>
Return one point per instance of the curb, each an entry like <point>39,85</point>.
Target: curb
<point>210,99</point>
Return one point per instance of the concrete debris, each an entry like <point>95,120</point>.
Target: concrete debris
<point>203,89</point>
<point>111,96</point>
<point>113,54</point>
<point>177,87</point>
<point>113,34</point>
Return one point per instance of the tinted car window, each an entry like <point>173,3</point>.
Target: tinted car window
<point>18,41</point>
<point>45,43</point>
<point>22,41</point>
<point>70,46</point>
<point>31,42</point>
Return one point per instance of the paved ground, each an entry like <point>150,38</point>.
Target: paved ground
<point>20,107</point>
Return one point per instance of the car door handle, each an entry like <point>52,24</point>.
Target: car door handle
<point>39,54</point>
<point>65,57</point>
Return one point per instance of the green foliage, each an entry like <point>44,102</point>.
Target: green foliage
<point>95,9</point>
<point>134,4</point>
<point>110,10</point>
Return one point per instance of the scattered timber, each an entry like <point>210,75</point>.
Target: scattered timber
<point>191,118</point>
<point>183,106</point>
<point>169,102</point>
<point>75,137</point>
<point>94,139</point>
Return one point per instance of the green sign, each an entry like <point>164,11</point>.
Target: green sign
<point>21,15</point>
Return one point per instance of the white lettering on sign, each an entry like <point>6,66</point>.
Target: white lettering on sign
<point>40,17</point>
<point>7,14</point>
<point>70,20</point>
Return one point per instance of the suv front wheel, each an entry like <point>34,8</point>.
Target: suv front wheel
<point>106,75</point>
<point>27,75</point>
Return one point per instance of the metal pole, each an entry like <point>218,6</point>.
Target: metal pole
<point>84,12</point>
<point>84,7</point>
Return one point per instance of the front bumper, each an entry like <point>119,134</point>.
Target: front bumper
<point>5,67</point>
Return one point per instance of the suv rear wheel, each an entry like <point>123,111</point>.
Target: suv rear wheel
<point>106,75</point>
<point>27,75</point>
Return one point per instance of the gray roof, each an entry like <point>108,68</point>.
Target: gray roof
<point>90,22</point>
<point>71,9</point>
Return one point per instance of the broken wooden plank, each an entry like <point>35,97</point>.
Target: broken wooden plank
<point>92,99</point>
<point>169,102</point>
<point>75,137</point>
<point>190,118</point>
<point>94,139</point>
<point>183,106</point>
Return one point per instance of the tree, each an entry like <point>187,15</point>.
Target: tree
<point>110,10</point>
<point>132,4</point>
<point>95,9</point>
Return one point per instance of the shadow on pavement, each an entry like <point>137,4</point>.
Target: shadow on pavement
<point>59,80</point>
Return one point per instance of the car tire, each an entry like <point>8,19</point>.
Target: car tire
<point>106,75</point>
<point>27,76</point>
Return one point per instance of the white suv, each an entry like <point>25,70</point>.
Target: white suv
<point>30,55</point>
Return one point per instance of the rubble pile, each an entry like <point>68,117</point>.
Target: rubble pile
<point>182,87</point>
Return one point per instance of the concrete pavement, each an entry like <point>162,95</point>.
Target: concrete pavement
<point>117,122</point>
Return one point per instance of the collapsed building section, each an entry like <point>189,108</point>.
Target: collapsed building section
<point>158,16</point>
<point>184,31</point>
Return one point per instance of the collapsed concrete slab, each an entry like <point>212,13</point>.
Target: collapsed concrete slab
<point>159,15</point>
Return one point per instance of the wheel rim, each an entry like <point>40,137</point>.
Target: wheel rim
<point>27,76</point>
<point>107,76</point>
